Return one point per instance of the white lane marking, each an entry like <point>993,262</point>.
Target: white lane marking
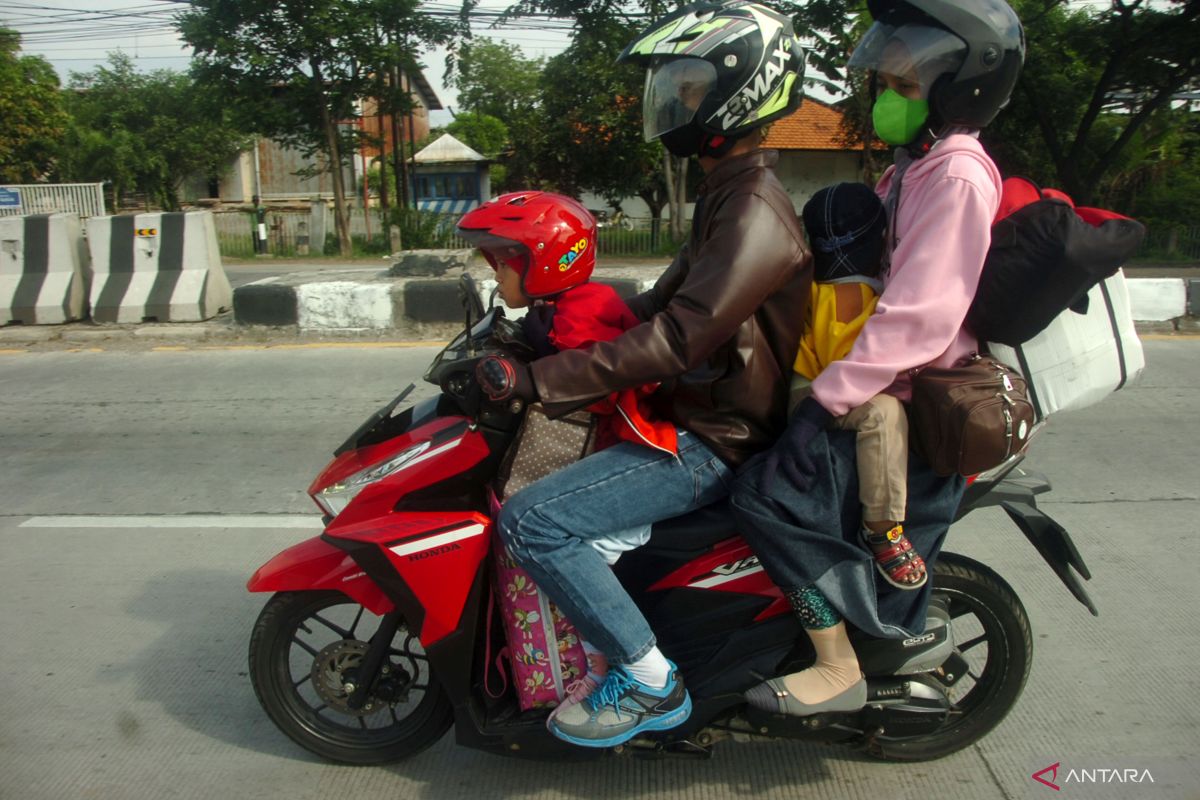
<point>434,541</point>
<point>307,521</point>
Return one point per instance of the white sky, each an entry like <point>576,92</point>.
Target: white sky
<point>77,35</point>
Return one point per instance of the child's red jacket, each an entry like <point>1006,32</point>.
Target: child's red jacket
<point>593,312</point>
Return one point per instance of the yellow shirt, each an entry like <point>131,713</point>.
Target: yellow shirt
<point>829,335</point>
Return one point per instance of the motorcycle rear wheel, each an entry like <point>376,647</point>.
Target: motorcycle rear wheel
<point>306,644</point>
<point>991,629</point>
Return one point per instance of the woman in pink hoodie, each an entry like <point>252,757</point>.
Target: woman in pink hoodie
<point>941,69</point>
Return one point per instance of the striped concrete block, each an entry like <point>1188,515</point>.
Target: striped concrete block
<point>265,302</point>
<point>157,268</point>
<point>347,305</point>
<point>41,269</point>
<point>1157,299</point>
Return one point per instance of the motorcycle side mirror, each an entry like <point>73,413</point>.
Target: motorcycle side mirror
<point>468,295</point>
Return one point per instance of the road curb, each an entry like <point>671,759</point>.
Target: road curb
<point>378,302</point>
<point>363,301</point>
<point>363,305</point>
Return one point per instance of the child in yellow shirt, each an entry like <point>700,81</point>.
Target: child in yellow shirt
<point>846,225</point>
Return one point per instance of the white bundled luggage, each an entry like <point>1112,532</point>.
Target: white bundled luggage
<point>1080,358</point>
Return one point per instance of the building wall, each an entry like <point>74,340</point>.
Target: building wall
<point>802,173</point>
<point>381,126</point>
<point>277,176</point>
<point>451,188</point>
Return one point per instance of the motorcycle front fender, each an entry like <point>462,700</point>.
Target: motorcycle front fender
<point>315,565</point>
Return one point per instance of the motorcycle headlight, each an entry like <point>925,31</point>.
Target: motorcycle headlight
<point>335,497</point>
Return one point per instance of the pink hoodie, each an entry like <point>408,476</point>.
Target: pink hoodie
<point>943,228</point>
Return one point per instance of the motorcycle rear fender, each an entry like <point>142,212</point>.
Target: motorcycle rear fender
<point>315,564</point>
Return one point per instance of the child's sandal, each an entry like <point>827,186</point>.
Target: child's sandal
<point>899,560</point>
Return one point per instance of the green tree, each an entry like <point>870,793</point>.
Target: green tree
<point>149,131</point>
<point>296,69</point>
<point>1094,79</point>
<point>593,123</point>
<point>495,80</point>
<point>483,133</point>
<point>1162,187</point>
<point>486,135</point>
<point>31,110</point>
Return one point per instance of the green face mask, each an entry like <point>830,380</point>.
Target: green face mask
<point>897,119</point>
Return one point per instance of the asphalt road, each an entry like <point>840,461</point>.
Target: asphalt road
<point>122,649</point>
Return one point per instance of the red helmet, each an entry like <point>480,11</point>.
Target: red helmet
<point>549,239</point>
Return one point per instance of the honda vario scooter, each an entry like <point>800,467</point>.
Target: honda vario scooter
<point>378,637</point>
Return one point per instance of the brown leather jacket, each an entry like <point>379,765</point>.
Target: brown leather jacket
<point>721,326</point>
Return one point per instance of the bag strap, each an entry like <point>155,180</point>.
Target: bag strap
<point>1023,364</point>
<point>487,655</point>
<point>1112,320</point>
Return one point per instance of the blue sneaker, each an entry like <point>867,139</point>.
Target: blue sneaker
<point>622,708</point>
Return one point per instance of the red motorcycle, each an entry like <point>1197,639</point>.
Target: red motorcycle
<point>378,637</point>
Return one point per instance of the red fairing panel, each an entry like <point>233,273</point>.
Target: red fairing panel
<point>730,567</point>
<point>351,461</point>
<point>436,554</point>
<point>455,451</point>
<point>316,564</point>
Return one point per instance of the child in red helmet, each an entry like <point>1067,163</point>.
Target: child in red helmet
<point>543,249</point>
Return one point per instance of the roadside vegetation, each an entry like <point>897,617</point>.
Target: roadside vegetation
<point>1107,108</point>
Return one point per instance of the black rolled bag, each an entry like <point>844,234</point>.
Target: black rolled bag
<point>1045,256</point>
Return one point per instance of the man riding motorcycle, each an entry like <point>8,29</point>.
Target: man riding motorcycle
<point>720,331</point>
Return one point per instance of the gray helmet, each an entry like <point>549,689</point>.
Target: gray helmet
<point>728,67</point>
<point>966,53</point>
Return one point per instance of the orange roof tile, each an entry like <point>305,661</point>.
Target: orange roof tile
<point>813,126</point>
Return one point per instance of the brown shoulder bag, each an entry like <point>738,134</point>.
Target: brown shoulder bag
<point>971,417</point>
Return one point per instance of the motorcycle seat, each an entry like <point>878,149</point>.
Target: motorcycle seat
<point>694,531</point>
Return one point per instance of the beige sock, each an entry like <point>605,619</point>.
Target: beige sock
<point>835,670</point>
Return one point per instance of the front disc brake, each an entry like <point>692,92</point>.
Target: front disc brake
<point>334,672</point>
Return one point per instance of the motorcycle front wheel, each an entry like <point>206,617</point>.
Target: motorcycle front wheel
<point>992,633</point>
<point>304,653</point>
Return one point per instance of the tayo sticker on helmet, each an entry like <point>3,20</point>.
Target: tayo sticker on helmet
<point>569,257</point>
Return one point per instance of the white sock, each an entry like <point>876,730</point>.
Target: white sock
<point>652,669</point>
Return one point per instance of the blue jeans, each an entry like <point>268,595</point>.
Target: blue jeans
<point>617,493</point>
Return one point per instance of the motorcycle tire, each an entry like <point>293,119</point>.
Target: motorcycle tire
<point>318,725</point>
<point>973,589</point>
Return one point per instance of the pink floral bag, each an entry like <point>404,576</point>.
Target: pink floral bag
<point>544,647</point>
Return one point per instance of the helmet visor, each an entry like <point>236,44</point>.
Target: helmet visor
<point>498,250</point>
<point>918,54</point>
<point>675,88</point>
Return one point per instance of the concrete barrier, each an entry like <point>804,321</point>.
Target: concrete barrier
<point>1157,299</point>
<point>42,280</point>
<point>350,301</point>
<point>157,268</point>
<point>371,300</point>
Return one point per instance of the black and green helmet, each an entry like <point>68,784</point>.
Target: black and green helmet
<point>726,67</point>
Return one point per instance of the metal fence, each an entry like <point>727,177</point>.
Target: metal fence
<point>1171,243</point>
<point>84,199</point>
<point>288,235</point>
